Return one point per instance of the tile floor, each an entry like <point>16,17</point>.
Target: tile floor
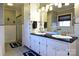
<point>14,51</point>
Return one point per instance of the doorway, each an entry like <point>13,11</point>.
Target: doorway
<point>13,16</point>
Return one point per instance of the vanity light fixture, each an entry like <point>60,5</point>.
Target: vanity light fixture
<point>47,7</point>
<point>50,8</point>
<point>56,4</point>
<point>59,5</point>
<point>43,8</point>
<point>10,4</point>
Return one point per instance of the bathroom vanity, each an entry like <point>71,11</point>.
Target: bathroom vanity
<point>46,45</point>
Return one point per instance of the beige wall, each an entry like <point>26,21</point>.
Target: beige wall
<point>11,14</point>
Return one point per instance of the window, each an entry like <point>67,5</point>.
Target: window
<point>64,20</point>
<point>64,23</point>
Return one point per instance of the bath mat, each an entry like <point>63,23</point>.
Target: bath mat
<point>30,53</point>
<point>15,44</point>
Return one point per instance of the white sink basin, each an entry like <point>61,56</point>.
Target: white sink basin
<point>40,33</point>
<point>61,36</point>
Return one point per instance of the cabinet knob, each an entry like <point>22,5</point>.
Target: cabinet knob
<point>68,53</point>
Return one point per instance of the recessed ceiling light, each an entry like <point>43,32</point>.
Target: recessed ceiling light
<point>10,4</point>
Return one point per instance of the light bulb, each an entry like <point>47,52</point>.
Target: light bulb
<point>59,5</point>
<point>66,4</point>
<point>56,4</point>
<point>50,8</point>
<point>47,7</point>
<point>43,8</point>
<point>10,4</point>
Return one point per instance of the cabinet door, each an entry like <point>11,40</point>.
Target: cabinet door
<point>43,46</point>
<point>28,43</point>
<point>32,42</point>
<point>50,47</point>
<point>61,53</point>
<point>36,44</point>
<point>62,45</point>
<point>62,48</point>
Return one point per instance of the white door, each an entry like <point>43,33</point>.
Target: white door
<point>43,46</point>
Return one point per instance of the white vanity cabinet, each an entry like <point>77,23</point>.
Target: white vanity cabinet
<point>57,48</point>
<point>42,46</point>
<point>49,47</point>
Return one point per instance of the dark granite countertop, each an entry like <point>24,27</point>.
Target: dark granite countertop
<point>49,36</point>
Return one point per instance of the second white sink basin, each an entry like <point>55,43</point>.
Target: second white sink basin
<point>40,33</point>
<point>61,36</point>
